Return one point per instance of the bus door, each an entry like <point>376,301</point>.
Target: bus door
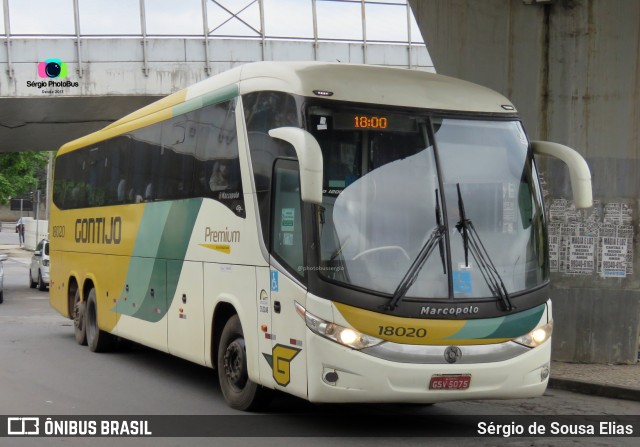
<point>286,280</point>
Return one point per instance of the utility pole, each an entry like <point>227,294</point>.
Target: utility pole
<point>37,214</point>
<point>48,190</point>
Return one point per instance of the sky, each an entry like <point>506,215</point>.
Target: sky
<point>386,19</point>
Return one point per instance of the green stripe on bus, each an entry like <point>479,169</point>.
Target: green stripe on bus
<point>520,323</point>
<point>198,102</point>
<point>143,272</point>
<point>482,328</point>
<point>150,287</point>
<point>511,326</point>
<point>175,240</point>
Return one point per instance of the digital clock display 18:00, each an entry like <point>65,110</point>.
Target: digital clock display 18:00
<point>388,122</point>
<point>370,122</point>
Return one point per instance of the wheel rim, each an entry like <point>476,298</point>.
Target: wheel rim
<point>78,307</point>
<point>235,365</point>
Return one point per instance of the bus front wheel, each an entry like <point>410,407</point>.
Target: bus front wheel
<point>238,390</point>
<point>98,340</point>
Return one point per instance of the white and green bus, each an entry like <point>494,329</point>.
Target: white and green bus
<point>343,233</point>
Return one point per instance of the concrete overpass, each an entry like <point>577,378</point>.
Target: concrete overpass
<point>112,75</point>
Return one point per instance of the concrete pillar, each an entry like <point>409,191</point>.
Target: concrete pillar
<point>572,69</point>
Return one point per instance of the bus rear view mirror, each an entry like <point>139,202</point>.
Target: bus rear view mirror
<point>579,172</point>
<point>309,159</point>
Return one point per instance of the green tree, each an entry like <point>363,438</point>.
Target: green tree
<point>19,172</point>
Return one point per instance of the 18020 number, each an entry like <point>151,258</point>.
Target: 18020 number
<point>401,331</point>
<point>58,231</point>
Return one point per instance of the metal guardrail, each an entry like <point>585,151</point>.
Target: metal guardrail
<point>213,32</point>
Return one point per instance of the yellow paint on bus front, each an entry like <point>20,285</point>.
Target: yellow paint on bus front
<point>411,331</point>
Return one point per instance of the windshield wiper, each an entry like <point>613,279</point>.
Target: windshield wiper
<point>441,240</point>
<point>412,274</point>
<point>471,240</point>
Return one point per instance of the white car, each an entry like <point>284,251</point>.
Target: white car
<point>39,271</point>
<point>2,259</point>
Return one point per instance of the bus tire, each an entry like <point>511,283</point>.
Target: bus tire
<point>238,390</point>
<point>79,328</point>
<point>98,340</point>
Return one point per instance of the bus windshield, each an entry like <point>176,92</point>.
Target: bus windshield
<point>385,194</point>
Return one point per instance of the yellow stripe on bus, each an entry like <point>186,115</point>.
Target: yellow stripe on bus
<point>111,132</point>
<point>223,248</point>
<point>163,104</point>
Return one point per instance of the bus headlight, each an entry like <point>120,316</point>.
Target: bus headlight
<point>334,332</point>
<point>537,336</point>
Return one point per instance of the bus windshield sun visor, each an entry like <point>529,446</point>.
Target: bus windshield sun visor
<point>471,240</point>
<point>435,238</point>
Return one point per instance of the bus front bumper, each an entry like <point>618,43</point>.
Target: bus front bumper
<point>340,374</point>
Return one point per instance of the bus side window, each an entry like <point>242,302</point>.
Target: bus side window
<point>173,178</point>
<point>286,237</point>
<point>217,163</point>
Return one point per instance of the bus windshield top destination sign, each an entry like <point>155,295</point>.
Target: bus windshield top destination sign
<point>380,122</point>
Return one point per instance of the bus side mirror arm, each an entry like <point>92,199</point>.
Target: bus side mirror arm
<point>309,159</point>
<point>579,172</point>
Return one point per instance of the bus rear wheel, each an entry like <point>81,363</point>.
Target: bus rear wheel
<point>98,340</point>
<point>78,320</point>
<point>238,390</point>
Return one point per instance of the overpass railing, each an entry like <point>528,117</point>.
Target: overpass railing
<point>366,22</point>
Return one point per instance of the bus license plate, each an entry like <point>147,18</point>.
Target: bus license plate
<point>450,382</point>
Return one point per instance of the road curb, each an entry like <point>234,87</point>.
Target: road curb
<point>595,389</point>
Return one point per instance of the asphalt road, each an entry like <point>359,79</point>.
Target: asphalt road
<point>44,372</point>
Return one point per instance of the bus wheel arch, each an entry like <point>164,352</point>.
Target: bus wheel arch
<point>230,359</point>
<point>222,313</point>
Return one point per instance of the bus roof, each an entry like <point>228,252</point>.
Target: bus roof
<point>346,82</point>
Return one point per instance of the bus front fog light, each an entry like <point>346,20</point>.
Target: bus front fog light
<point>331,377</point>
<point>544,373</point>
